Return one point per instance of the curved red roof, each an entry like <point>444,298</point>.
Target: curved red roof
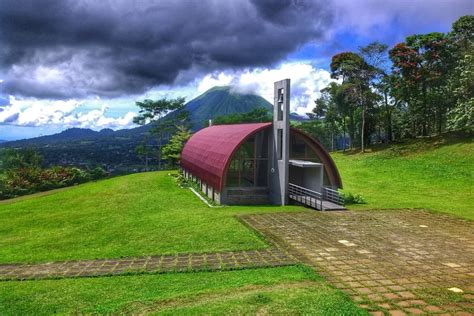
<point>207,152</point>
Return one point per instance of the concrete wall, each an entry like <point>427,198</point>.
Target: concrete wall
<point>205,188</point>
<point>280,143</point>
<point>246,196</point>
<point>310,178</point>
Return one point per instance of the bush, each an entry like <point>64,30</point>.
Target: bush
<point>97,173</point>
<point>350,198</point>
<point>180,179</point>
<point>21,173</point>
<point>27,180</point>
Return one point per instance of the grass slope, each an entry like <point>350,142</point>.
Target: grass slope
<point>140,214</point>
<point>145,214</point>
<point>287,290</point>
<point>434,174</point>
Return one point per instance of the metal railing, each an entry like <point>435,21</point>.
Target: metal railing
<point>332,196</point>
<point>305,196</point>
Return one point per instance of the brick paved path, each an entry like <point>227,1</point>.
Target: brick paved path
<point>153,264</point>
<point>395,262</point>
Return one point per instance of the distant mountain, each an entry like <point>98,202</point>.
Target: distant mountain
<point>115,150</point>
<point>3,141</point>
<point>221,101</point>
<point>68,135</point>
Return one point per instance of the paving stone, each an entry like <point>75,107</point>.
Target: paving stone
<point>383,255</point>
<point>390,249</point>
<point>391,296</point>
<point>165,263</point>
<point>395,288</point>
<point>415,311</point>
<point>386,306</point>
<point>375,297</point>
<point>432,309</point>
<point>363,290</point>
<point>397,313</point>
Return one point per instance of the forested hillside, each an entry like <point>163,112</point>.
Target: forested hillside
<point>420,87</point>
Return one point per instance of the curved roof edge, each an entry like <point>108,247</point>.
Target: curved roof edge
<point>325,157</point>
<point>208,152</point>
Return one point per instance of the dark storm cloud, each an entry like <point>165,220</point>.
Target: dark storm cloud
<point>61,49</point>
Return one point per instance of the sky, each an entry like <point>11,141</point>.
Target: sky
<point>84,63</point>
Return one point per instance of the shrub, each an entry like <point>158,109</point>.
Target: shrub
<point>350,198</point>
<point>21,173</point>
<point>27,180</point>
<point>180,179</point>
<point>97,173</point>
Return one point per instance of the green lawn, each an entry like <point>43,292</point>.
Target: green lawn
<point>144,214</point>
<point>287,290</point>
<point>434,174</point>
<point>140,214</point>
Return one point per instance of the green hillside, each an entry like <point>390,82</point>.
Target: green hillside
<point>436,174</point>
<point>131,215</point>
<point>146,214</point>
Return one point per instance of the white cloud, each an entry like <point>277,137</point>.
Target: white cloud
<point>306,83</point>
<point>96,113</point>
<point>34,112</point>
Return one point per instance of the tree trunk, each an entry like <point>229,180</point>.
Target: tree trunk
<point>440,121</point>
<point>388,118</point>
<point>146,160</point>
<point>352,131</point>
<point>159,151</point>
<point>332,141</point>
<point>362,132</point>
<point>344,133</point>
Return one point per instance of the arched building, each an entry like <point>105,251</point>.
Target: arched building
<point>262,163</point>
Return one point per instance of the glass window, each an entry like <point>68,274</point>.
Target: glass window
<point>249,166</point>
<point>300,149</point>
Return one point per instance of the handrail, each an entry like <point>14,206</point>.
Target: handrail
<point>305,196</point>
<point>332,196</point>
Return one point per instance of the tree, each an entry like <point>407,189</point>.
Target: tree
<point>154,112</point>
<point>460,82</point>
<point>14,159</point>
<point>422,64</point>
<point>461,116</point>
<point>172,150</point>
<point>376,55</point>
<point>316,128</point>
<point>462,34</point>
<point>330,108</point>
<point>257,115</point>
<point>423,87</point>
<point>356,74</point>
<point>151,111</point>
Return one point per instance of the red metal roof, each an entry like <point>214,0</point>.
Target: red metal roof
<point>208,152</point>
